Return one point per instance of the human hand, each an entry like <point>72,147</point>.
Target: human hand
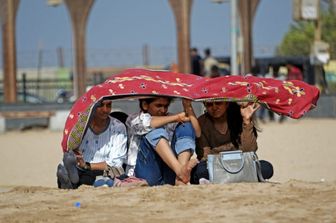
<point>247,110</point>
<point>206,152</point>
<point>80,160</point>
<point>182,117</point>
<point>225,147</point>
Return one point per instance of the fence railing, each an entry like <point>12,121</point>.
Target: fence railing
<point>119,57</point>
<point>46,89</point>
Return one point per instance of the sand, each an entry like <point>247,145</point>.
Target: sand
<point>303,188</point>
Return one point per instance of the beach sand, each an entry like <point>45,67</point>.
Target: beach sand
<point>303,188</point>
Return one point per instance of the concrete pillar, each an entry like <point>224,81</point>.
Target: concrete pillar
<point>8,10</point>
<point>182,11</point>
<point>79,11</point>
<point>247,10</point>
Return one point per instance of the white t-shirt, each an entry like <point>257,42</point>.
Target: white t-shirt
<point>109,146</point>
<point>208,63</point>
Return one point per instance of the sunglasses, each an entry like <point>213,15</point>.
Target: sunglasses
<point>217,103</point>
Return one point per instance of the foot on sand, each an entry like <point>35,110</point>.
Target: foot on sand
<point>129,182</point>
<point>178,182</point>
<point>184,175</point>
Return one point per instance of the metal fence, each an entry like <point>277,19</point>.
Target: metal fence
<point>45,90</point>
<point>118,57</point>
<point>50,87</point>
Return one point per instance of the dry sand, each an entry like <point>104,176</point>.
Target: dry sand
<point>303,188</point>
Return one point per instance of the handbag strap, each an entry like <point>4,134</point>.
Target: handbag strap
<point>227,153</point>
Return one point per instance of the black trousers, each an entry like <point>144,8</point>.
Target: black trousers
<point>88,177</point>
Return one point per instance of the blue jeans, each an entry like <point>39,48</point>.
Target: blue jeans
<point>150,166</point>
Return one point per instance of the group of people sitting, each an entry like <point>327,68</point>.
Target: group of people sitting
<point>153,147</point>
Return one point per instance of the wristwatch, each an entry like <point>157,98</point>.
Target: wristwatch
<point>87,166</point>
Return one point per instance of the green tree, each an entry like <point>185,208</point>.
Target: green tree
<point>298,40</point>
<point>329,32</point>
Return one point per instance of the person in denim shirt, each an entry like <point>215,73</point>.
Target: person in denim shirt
<point>161,144</point>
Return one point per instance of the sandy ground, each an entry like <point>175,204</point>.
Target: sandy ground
<point>303,188</point>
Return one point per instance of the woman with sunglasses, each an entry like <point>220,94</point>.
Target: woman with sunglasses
<point>227,126</point>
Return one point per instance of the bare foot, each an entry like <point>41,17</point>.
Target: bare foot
<point>184,175</point>
<point>179,182</point>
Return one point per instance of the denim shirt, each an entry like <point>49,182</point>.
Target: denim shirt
<point>138,125</point>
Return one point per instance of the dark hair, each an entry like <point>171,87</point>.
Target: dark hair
<point>255,70</point>
<point>207,51</point>
<point>150,100</point>
<point>121,116</point>
<point>214,71</point>
<point>235,123</point>
<point>194,49</point>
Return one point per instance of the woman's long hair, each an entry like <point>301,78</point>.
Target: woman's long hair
<point>235,123</point>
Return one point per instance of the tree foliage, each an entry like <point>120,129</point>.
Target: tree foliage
<point>299,39</point>
<point>329,32</point>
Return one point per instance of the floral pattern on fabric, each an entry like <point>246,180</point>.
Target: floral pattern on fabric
<point>291,98</point>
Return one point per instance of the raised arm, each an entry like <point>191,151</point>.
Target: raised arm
<point>158,121</point>
<point>247,110</point>
<point>248,137</point>
<point>189,110</point>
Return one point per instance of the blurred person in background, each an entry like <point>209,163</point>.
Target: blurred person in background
<point>196,62</point>
<point>214,72</point>
<point>209,61</point>
<point>294,73</point>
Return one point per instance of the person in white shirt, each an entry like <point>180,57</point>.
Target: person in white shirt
<point>103,150</point>
<point>209,61</point>
<point>160,144</point>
